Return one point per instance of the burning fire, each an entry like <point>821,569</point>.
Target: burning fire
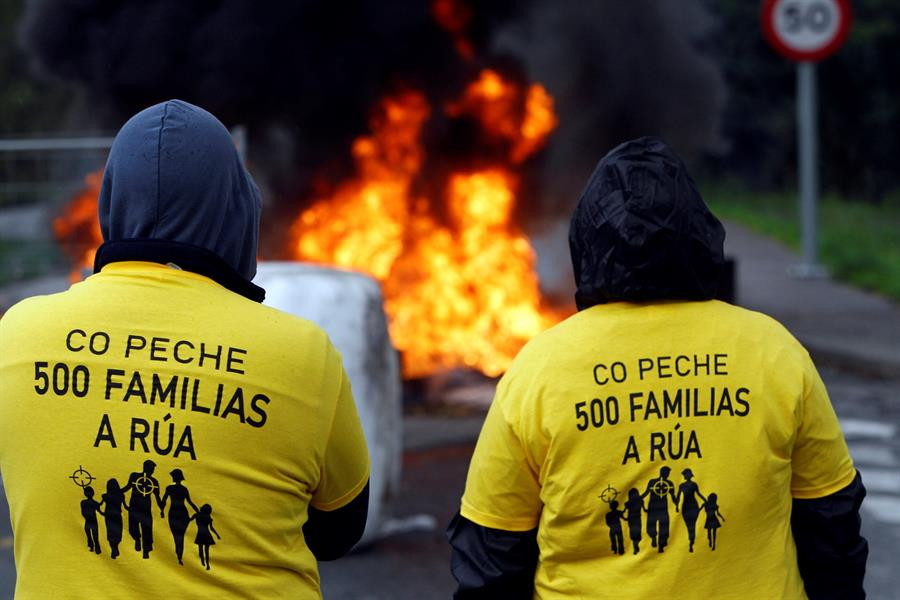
<point>494,103</point>
<point>460,293</point>
<point>78,228</point>
<point>460,286</point>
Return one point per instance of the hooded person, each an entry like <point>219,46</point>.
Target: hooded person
<point>652,374</point>
<point>166,353</point>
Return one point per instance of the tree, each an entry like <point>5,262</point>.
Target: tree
<point>858,107</point>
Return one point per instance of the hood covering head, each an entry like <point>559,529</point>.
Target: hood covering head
<point>175,182</point>
<point>641,232</point>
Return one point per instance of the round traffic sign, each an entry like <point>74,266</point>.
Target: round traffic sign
<point>806,30</point>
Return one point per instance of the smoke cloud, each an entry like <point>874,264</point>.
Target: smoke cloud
<point>304,76</point>
<point>618,70</point>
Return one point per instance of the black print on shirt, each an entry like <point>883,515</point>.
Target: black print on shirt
<point>686,498</point>
<point>140,514</point>
<point>144,488</point>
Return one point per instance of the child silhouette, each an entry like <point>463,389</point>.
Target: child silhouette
<point>204,538</point>
<point>614,522</point>
<point>712,519</point>
<point>635,505</point>
<point>89,510</point>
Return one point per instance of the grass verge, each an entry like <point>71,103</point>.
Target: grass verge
<point>859,242</point>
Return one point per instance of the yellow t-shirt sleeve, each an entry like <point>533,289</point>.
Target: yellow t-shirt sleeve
<point>821,462</point>
<point>345,470</point>
<point>502,488</point>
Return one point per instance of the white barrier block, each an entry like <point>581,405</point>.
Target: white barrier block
<point>350,308</point>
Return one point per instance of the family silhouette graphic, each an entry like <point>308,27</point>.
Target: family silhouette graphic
<point>688,500</point>
<point>143,487</point>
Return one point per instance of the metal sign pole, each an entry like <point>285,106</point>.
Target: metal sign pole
<point>807,148</point>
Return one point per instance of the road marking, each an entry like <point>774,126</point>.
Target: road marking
<point>408,524</point>
<point>881,480</point>
<point>859,428</point>
<point>883,508</point>
<point>871,454</point>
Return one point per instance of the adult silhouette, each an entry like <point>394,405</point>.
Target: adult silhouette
<point>142,485</point>
<point>659,489</point>
<point>113,499</point>
<point>688,492</point>
<point>177,495</point>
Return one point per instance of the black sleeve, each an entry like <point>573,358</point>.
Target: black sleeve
<point>331,534</point>
<point>491,563</point>
<point>830,550</point>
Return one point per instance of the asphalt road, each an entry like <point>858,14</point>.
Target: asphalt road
<point>414,564</point>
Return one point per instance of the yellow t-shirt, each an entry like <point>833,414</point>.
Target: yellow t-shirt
<point>244,413</point>
<point>607,421</point>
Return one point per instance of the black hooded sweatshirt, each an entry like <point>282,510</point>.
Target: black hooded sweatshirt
<point>175,191</point>
<point>642,233</point>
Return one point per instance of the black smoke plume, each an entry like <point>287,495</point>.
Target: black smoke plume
<point>304,75</point>
<point>618,71</point>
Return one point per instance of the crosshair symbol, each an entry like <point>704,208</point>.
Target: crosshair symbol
<point>609,494</point>
<point>81,477</point>
<point>144,485</point>
<point>662,487</point>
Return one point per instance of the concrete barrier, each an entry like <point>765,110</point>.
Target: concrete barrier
<point>349,307</point>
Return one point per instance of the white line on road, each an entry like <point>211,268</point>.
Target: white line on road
<point>883,508</point>
<point>881,480</point>
<point>872,454</point>
<point>867,429</point>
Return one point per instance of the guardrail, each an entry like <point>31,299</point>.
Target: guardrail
<point>47,169</point>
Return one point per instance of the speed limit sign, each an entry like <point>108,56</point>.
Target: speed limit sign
<point>806,30</point>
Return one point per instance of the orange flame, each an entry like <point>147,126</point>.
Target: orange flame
<point>497,104</point>
<point>454,17</point>
<point>78,229</point>
<point>460,293</point>
<point>467,295</point>
<point>464,293</point>
<point>373,207</point>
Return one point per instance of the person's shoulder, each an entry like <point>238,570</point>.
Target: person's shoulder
<point>542,347</point>
<point>24,319</point>
<point>278,324</point>
<point>33,307</point>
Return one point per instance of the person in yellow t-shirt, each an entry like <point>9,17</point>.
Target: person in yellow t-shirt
<point>653,377</point>
<point>164,364</point>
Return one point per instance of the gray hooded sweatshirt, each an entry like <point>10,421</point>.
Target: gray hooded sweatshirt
<point>175,191</point>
